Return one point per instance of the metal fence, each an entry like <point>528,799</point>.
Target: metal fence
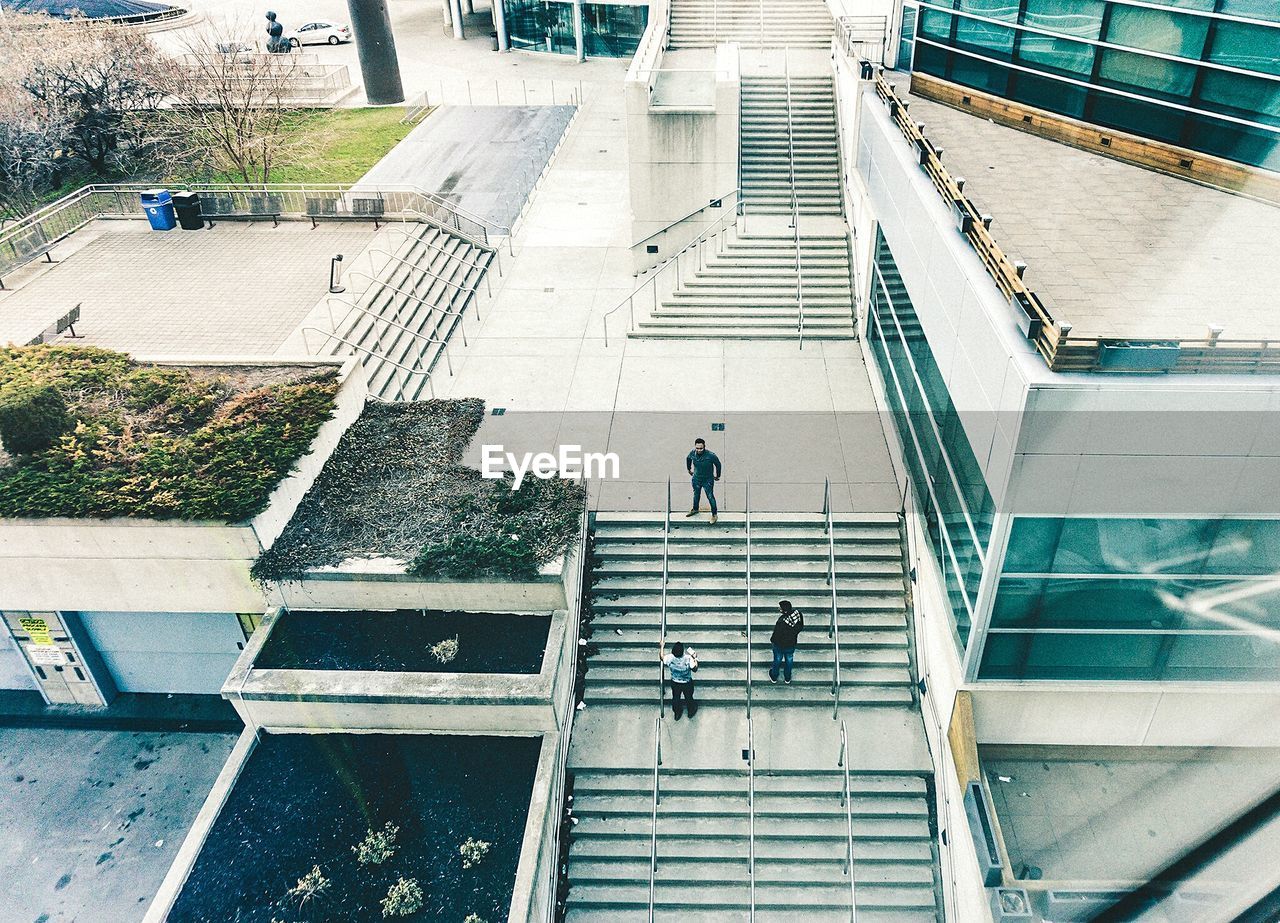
<point>34,235</point>
<point>495,92</point>
<point>864,38</point>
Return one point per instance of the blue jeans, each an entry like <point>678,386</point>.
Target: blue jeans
<point>782,657</point>
<point>710,488</point>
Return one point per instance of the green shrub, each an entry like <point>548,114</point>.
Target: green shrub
<point>403,898</point>
<point>32,416</point>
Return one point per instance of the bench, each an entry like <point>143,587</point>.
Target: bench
<point>362,209</point>
<point>223,207</point>
<point>45,249</point>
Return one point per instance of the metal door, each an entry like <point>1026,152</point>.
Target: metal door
<point>55,662</point>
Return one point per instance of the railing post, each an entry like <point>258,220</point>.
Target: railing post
<point>748,576</point>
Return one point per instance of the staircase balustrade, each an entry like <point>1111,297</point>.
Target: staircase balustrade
<point>846,798</point>
<point>406,372</point>
<point>751,816</point>
<point>653,820</point>
<point>450,254</point>
<point>666,577</point>
<point>749,655</point>
<point>795,205</point>
<point>378,319</point>
<point>431,308</point>
<point>833,632</point>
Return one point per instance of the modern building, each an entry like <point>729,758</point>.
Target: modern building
<point>1194,74</point>
<point>606,30</point>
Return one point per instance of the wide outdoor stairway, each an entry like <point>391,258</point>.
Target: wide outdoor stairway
<point>775,148</point>
<point>750,23</point>
<point>704,822</point>
<point>706,607</point>
<point>703,846</point>
<point>746,286</point>
<point>428,281</point>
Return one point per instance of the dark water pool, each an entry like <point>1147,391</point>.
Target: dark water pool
<point>400,641</point>
<point>306,799</point>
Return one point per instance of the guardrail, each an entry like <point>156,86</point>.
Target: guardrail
<point>751,816</point>
<point>749,651</point>
<point>864,38</point>
<point>846,798</point>
<point>496,92</point>
<point>795,205</point>
<point>33,236</point>
<point>1061,351</point>
<point>666,576</point>
<point>833,631</point>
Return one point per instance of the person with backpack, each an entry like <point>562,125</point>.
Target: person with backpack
<point>785,637</point>
<point>680,663</point>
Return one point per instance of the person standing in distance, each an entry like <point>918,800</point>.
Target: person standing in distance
<point>704,467</point>
<point>786,635</point>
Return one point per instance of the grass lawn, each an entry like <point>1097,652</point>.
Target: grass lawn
<point>342,144</point>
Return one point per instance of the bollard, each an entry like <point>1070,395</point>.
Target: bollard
<point>335,288</point>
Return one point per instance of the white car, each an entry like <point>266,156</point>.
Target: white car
<point>319,32</point>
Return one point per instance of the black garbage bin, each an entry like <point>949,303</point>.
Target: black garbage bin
<point>187,206</point>
<point>493,37</point>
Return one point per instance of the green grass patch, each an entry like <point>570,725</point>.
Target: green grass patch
<point>340,145</point>
<point>125,438</point>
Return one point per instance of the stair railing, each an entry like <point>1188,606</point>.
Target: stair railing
<point>846,798</point>
<point>653,817</point>
<point>666,576</point>
<point>406,373</point>
<point>751,817</point>
<point>380,320</point>
<point>711,233</point>
<point>749,657</point>
<point>795,205</point>
<point>392,258</point>
<point>418,298</point>
<point>449,254</point>
<point>833,631</point>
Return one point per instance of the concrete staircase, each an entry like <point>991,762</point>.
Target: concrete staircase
<point>417,303</point>
<point>766,156</point>
<point>703,827</point>
<point>751,23</point>
<point>706,607</point>
<point>745,286</point>
<point>703,845</point>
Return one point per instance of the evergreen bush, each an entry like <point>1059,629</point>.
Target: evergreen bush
<point>33,415</point>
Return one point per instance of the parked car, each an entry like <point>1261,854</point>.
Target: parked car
<point>319,32</point>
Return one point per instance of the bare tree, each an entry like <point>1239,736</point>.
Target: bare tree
<point>232,106</point>
<point>30,145</point>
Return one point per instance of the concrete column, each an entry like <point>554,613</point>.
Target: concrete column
<point>457,18</point>
<point>376,44</point>
<point>470,7</point>
<point>447,7</point>
<point>578,31</point>
<point>500,25</point>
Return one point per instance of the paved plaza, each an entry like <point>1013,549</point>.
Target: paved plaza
<point>237,289</point>
<point>92,819</point>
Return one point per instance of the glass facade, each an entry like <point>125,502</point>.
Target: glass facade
<point>609,30</point>
<point>957,507</point>
<point>1137,599</point>
<point>1201,74</point>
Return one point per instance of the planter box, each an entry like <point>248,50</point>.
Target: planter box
<point>1124,356</point>
<point>151,565</point>
<point>505,703</point>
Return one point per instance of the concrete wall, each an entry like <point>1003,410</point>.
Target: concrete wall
<point>680,159</point>
<point>146,565</point>
<point>472,703</point>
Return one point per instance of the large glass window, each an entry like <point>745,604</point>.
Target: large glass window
<point>957,507</point>
<point>1050,54</point>
<point>1140,599</point>
<point>613,30</point>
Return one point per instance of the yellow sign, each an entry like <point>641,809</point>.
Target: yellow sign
<point>38,629</point>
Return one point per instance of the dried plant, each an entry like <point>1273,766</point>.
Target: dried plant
<point>473,851</point>
<point>309,887</point>
<point>403,898</point>
<point>378,845</point>
<point>445,651</point>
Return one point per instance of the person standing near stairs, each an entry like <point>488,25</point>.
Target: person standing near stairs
<point>680,665</point>
<point>704,467</point>
<point>785,637</point>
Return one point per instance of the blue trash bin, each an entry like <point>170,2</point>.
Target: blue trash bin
<point>158,205</point>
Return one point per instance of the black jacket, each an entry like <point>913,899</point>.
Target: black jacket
<point>786,631</point>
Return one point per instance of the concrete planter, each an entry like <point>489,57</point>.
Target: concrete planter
<point>474,703</point>
<point>150,565</point>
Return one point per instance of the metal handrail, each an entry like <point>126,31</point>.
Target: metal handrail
<point>666,574</point>
<point>378,318</point>
<point>451,255</point>
<point>795,205</point>
<point>653,829</point>
<point>414,266</point>
<point>735,193</point>
<point>656,272</point>
<point>330,335</point>
<point>422,301</point>
<point>484,222</point>
<point>833,631</point>
<point>749,652</point>
<point>751,816</point>
<point>846,797</point>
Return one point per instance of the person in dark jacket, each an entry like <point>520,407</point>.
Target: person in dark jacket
<point>785,637</point>
<point>704,467</point>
